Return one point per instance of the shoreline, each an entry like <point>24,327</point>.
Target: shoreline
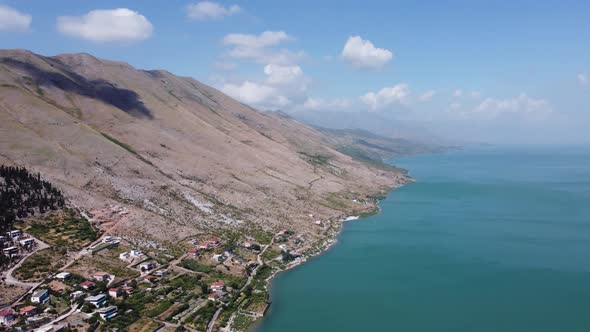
<point>331,240</point>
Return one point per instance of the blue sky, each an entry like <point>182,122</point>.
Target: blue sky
<point>486,70</point>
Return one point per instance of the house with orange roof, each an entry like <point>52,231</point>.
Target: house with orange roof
<point>28,311</point>
<point>217,286</point>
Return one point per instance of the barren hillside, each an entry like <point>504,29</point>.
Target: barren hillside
<point>179,156</point>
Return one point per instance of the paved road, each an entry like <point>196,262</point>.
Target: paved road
<point>10,280</point>
<point>212,322</point>
<point>60,318</point>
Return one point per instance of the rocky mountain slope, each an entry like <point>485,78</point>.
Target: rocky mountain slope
<point>179,157</point>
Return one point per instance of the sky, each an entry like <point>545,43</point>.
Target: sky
<point>472,71</point>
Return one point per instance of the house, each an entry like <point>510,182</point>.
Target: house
<point>97,300</point>
<point>217,286</point>
<point>63,276</point>
<point>87,284</point>
<point>214,296</point>
<point>108,312</point>
<point>217,258</point>
<point>7,317</point>
<point>128,290</point>
<point>215,241</point>
<point>10,250</point>
<point>149,278</point>
<point>114,293</point>
<point>147,266</point>
<point>124,256</point>
<point>135,253</point>
<point>57,289</point>
<point>77,294</point>
<point>27,242</point>
<point>248,244</point>
<point>14,234</point>
<point>161,273</point>
<point>193,253</point>
<point>204,246</point>
<point>28,311</point>
<point>283,232</point>
<point>40,296</point>
<point>318,222</point>
<point>101,276</point>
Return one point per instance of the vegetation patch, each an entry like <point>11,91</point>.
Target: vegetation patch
<point>127,147</point>
<point>40,264</point>
<point>65,229</point>
<point>315,159</point>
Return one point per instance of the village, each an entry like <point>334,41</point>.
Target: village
<point>217,283</point>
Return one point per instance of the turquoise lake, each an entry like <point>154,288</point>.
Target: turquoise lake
<point>487,239</point>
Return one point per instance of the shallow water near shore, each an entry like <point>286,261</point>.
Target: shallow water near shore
<point>487,239</point>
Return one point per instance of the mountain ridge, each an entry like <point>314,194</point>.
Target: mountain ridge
<point>181,156</point>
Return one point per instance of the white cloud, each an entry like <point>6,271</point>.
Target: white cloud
<point>320,104</point>
<point>282,87</point>
<point>475,94</point>
<point>458,93</point>
<point>265,39</point>
<point>583,79</point>
<point>427,96</point>
<point>363,54</point>
<point>109,25</point>
<point>520,104</point>
<point>207,10</point>
<point>262,48</point>
<point>13,20</point>
<point>397,94</point>
<point>255,94</point>
<point>278,74</point>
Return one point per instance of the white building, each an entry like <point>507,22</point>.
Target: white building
<point>63,276</point>
<point>97,300</point>
<point>40,296</point>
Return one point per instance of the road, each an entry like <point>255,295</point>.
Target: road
<point>60,318</point>
<point>10,280</point>
<point>212,322</point>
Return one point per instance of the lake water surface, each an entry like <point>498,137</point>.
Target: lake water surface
<point>486,240</point>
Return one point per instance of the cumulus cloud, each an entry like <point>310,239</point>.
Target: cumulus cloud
<point>13,20</point>
<point>427,96</point>
<point>282,88</point>
<point>397,94</point>
<point>277,74</point>
<point>207,10</point>
<point>253,93</point>
<point>520,104</point>
<point>321,104</point>
<point>458,93</point>
<point>583,79</point>
<point>107,25</point>
<point>363,54</point>
<point>261,48</point>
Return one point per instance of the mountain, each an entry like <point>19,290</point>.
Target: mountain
<point>173,156</point>
<point>388,124</point>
